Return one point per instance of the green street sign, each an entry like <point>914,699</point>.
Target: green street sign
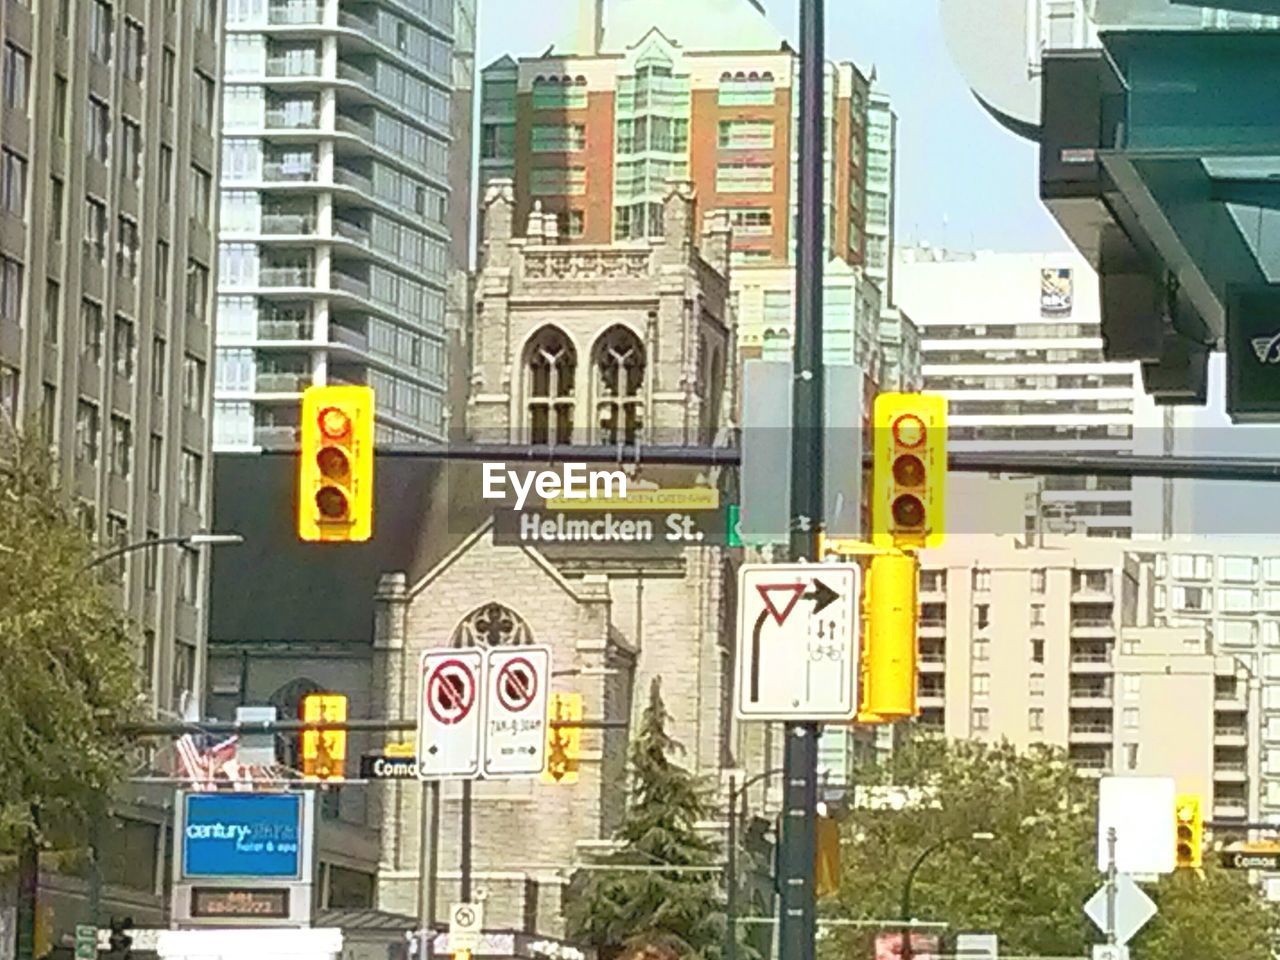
<point>732,537</point>
<point>86,941</point>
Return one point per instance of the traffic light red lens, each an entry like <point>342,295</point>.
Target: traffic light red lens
<point>333,463</point>
<point>908,430</point>
<point>332,503</point>
<point>908,511</point>
<point>908,471</point>
<point>334,423</point>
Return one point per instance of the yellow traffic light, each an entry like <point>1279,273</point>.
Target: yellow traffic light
<point>888,666</point>
<point>324,752</point>
<point>1189,837</point>
<point>564,744</point>
<point>335,470</point>
<point>909,471</point>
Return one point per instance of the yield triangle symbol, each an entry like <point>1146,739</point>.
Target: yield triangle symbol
<point>780,598</point>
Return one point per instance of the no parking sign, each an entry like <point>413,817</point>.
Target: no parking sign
<point>449,717</point>
<point>515,734</point>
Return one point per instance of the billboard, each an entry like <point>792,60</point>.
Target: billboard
<point>1055,291</point>
<point>924,946</point>
<point>255,835</point>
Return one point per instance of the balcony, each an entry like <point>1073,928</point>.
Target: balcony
<point>932,625</point>
<point>351,231</point>
<point>1092,586</point>
<point>349,178</point>
<point>278,118</point>
<point>292,67</point>
<point>1091,661</point>
<point>361,131</point>
<point>285,330</point>
<point>1092,626</point>
<point>282,382</point>
<point>286,277</point>
<point>349,337</point>
<point>289,223</point>
<point>285,14</point>
<point>1230,808</point>
<point>350,21</point>
<point>1091,766</point>
<point>349,284</point>
<point>275,436</point>
<point>362,78</point>
<point>277,172</point>
<point>1230,771</point>
<point>1090,695</point>
<point>1230,735</point>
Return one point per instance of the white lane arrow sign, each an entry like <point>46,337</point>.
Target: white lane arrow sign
<point>1133,908</point>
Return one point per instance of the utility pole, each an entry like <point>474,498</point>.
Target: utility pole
<point>428,864</point>
<point>797,902</point>
<point>1111,886</point>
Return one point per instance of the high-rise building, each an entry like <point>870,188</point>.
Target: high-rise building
<point>1014,342</point>
<point>881,178</point>
<point>110,119</point>
<point>340,228</point>
<point>707,91</point>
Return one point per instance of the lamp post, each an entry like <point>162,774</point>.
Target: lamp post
<point>185,540</point>
<point>980,837</point>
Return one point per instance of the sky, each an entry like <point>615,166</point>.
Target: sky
<point>964,182</point>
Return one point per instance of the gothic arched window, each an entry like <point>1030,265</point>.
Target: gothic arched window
<point>492,625</point>
<point>619,367</point>
<point>551,364</point>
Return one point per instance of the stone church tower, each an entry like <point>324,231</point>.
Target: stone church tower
<point>621,344</point>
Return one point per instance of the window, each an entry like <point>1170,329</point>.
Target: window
<point>202,101</point>
<point>1236,600</point>
<point>55,208</point>
<point>746,90</point>
<point>558,181</point>
<point>151,566</point>
<point>551,369</point>
<point>158,348</point>
<point>1192,567</point>
<point>155,462</point>
<point>11,278</point>
<point>199,184</point>
<point>17,77</point>
<point>167,76</point>
<point>753,222</point>
<point>121,446</point>
<point>193,374</point>
<point>1131,686</point>
<point>135,50</point>
<point>1038,580</point>
<point>87,431</point>
<point>744,177</point>
<point>1035,718</point>
<point>982,615</point>
<point>746,134</point>
<point>572,223</point>
<point>206,14</point>
<point>933,581</point>
<point>13,183</point>
<point>558,138</point>
<point>981,580</point>
<point>1037,614</point>
<point>52,312</point>
<point>1192,599</point>
<point>619,369</point>
<point>101,28</point>
<point>1237,569</point>
<point>122,346</point>
<point>1237,632</point>
<point>131,150</point>
<point>1037,651</point>
<point>981,718</point>
<point>559,93</point>
<point>197,290</point>
<point>162,270</point>
<point>1035,684</point>
<point>981,649</point>
<point>1131,755</point>
<point>98,129</point>
<point>192,478</point>
<point>189,578</point>
<point>95,228</point>
<point>49,412</point>
<point>1131,718</point>
<point>58,114</point>
<point>91,332</point>
<point>87,515</point>
<point>498,141</point>
<point>127,260</point>
<point>981,684</point>
<point>166,174</point>
<point>9,383</point>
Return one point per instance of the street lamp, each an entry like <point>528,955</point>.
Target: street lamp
<point>185,540</point>
<point>981,836</point>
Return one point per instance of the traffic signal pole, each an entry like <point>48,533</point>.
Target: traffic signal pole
<point>797,920</point>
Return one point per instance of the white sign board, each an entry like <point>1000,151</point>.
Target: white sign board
<point>1103,951</point>
<point>1133,908</point>
<point>798,641</point>
<point>517,681</point>
<point>1141,811</point>
<point>449,713</point>
<point>316,943</point>
<point>466,925</point>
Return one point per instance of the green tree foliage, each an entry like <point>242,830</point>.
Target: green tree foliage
<point>1030,883</point>
<point>69,677</point>
<point>681,910</point>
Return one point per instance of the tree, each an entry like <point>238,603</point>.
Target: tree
<point>69,678</point>
<point>679,910</point>
<point>1207,918</point>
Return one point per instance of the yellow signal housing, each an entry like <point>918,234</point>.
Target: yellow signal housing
<point>826,865</point>
<point>335,469</point>
<point>888,667</point>
<point>564,744</point>
<point>1189,830</point>
<point>909,470</point>
<point>324,752</point>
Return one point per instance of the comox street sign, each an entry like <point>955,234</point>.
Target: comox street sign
<point>1251,859</point>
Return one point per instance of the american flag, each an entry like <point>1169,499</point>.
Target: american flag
<point>200,759</point>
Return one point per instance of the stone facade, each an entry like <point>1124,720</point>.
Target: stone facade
<point>627,343</point>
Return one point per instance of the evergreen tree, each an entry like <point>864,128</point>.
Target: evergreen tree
<point>679,909</point>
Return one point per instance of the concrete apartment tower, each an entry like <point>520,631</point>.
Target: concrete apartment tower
<point>345,210</point>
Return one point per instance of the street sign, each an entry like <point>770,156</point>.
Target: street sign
<point>380,766</point>
<point>798,641</point>
<point>1133,908</point>
<point>449,714</point>
<point>1251,860</point>
<point>466,924</point>
<point>86,941</point>
<point>1107,951</point>
<point>1141,810</point>
<point>515,731</point>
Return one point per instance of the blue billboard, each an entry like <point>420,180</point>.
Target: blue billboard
<point>242,835</point>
